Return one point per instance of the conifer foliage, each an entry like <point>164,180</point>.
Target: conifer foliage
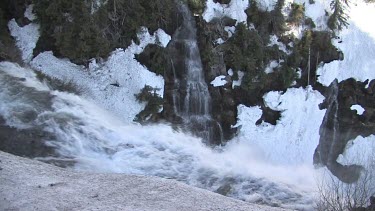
<point>79,31</point>
<point>339,19</point>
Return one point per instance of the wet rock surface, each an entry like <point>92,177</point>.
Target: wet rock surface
<point>342,124</point>
<point>24,142</point>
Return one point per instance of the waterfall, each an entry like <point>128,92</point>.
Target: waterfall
<point>191,98</point>
<point>86,137</point>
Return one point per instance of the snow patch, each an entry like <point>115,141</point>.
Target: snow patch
<point>358,108</point>
<point>235,10</point>
<point>219,81</point>
<point>272,65</point>
<point>230,30</point>
<point>295,137</point>
<point>230,72</point>
<point>272,100</point>
<point>121,68</point>
<point>266,5</point>
<point>360,151</point>
<point>219,41</point>
<point>239,81</point>
<point>280,45</point>
<point>26,37</point>
<point>358,45</point>
<point>29,13</point>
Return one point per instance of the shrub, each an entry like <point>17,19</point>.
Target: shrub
<point>153,106</point>
<point>266,22</point>
<point>197,6</point>
<point>310,23</point>
<point>336,195</point>
<point>154,58</point>
<point>297,14</point>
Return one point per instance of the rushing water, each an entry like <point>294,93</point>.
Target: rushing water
<point>97,141</point>
<point>191,97</point>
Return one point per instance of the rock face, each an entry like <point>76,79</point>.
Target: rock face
<point>224,105</point>
<point>32,185</point>
<point>341,124</point>
<point>25,142</point>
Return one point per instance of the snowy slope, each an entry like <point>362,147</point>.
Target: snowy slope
<point>121,69</point>
<point>293,139</point>
<point>358,46</point>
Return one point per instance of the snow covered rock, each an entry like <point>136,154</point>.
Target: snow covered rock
<point>31,185</point>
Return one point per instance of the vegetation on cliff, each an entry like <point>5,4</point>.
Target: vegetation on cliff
<point>78,31</point>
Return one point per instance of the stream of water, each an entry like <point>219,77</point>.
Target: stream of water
<point>96,141</point>
<point>192,99</point>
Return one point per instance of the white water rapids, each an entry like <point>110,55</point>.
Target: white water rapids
<point>99,142</point>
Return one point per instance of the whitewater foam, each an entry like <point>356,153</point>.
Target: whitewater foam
<point>98,141</point>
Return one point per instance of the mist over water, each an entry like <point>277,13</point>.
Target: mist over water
<point>98,142</point>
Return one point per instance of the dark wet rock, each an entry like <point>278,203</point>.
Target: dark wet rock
<point>8,49</point>
<point>15,9</point>
<point>341,124</point>
<point>24,142</point>
<point>268,115</point>
<point>224,189</point>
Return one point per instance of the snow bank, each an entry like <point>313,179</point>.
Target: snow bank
<point>31,185</point>
<point>239,81</point>
<point>358,45</point>
<point>29,13</point>
<point>113,83</point>
<point>272,65</point>
<point>294,138</point>
<point>360,151</point>
<point>316,11</point>
<point>235,10</point>
<point>219,81</point>
<point>26,37</point>
<point>358,108</point>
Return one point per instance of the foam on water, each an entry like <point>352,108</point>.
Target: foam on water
<point>99,142</point>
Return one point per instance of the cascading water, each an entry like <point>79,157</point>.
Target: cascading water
<point>191,98</point>
<point>95,140</point>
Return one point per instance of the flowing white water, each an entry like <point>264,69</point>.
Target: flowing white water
<point>98,141</point>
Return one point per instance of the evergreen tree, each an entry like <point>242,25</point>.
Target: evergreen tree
<point>339,19</point>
